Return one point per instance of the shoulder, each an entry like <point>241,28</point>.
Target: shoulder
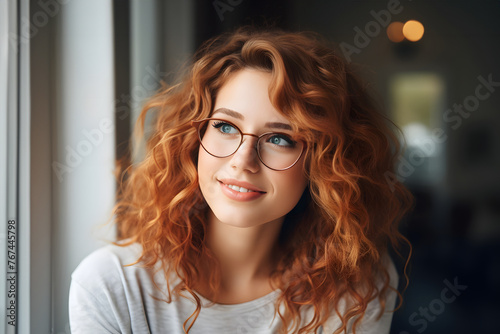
<point>374,307</point>
<point>376,320</point>
<point>388,264</point>
<point>98,290</point>
<point>106,265</point>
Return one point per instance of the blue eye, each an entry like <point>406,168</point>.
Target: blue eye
<point>281,140</point>
<point>224,127</point>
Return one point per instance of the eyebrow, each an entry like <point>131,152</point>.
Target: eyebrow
<point>235,114</point>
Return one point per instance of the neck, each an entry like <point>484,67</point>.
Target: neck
<point>245,254</point>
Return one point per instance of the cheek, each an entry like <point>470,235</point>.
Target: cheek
<point>207,165</point>
<point>203,166</point>
<point>291,186</point>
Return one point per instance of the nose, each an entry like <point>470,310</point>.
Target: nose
<point>246,157</point>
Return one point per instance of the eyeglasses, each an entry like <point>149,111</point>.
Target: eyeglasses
<point>276,150</point>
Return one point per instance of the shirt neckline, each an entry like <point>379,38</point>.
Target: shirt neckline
<point>240,307</point>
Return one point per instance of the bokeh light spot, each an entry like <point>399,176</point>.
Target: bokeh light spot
<point>413,30</point>
<point>395,32</point>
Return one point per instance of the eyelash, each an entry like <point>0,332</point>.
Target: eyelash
<point>289,140</point>
<point>218,124</point>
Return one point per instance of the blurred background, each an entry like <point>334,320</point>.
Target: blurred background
<point>433,65</point>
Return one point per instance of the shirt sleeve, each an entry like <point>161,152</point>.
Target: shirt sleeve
<point>97,301</point>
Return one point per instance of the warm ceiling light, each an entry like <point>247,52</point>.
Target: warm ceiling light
<point>395,32</point>
<point>413,30</point>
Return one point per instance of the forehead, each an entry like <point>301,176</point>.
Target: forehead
<point>245,97</point>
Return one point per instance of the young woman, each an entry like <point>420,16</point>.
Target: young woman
<point>262,205</point>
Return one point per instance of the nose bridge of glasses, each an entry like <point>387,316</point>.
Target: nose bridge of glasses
<point>248,134</point>
<point>253,144</point>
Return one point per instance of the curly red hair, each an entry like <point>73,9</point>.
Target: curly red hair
<point>332,242</point>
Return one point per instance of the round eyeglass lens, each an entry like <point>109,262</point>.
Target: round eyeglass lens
<point>219,138</point>
<point>278,150</point>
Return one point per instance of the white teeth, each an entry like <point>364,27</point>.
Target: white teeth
<point>239,189</point>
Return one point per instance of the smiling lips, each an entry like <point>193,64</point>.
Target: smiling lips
<point>240,191</point>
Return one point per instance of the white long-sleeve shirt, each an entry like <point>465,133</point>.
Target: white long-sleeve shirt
<point>106,296</point>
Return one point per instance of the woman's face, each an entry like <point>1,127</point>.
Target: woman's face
<point>244,101</point>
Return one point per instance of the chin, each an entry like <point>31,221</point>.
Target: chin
<point>237,222</point>
<point>242,220</point>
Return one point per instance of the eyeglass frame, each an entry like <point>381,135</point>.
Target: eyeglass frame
<point>196,125</point>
